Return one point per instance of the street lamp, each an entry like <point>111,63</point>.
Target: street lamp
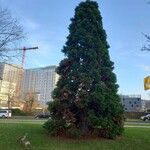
<point>1,83</point>
<point>0,88</point>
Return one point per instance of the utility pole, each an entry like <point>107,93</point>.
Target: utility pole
<point>0,89</point>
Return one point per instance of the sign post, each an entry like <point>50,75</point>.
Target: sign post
<point>147,83</point>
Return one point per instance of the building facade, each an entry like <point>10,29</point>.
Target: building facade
<point>132,103</point>
<point>10,82</point>
<point>40,82</point>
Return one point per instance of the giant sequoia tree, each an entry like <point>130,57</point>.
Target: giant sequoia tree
<point>85,100</point>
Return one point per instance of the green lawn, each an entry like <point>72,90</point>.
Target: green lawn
<point>133,139</point>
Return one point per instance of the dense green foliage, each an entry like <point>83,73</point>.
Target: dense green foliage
<point>18,112</point>
<point>86,100</point>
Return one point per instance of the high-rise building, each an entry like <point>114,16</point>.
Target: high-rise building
<point>40,82</point>
<point>10,82</point>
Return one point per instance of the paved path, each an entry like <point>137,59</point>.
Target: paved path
<point>134,126</point>
<point>31,121</point>
<point>142,123</point>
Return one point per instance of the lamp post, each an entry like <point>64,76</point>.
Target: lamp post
<point>0,88</point>
<point>1,83</point>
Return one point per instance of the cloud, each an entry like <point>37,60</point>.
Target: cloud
<point>49,53</point>
<point>127,53</point>
<point>143,55</point>
<point>145,68</point>
<point>30,24</point>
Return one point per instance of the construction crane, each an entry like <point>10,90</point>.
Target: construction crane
<point>24,49</point>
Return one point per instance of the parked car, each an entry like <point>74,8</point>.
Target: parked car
<point>145,118</point>
<point>42,115</point>
<point>5,113</point>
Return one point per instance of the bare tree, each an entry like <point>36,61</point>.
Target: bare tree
<point>30,102</point>
<point>10,33</point>
<point>146,47</point>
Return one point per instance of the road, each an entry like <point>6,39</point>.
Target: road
<point>136,126</point>
<point>31,120</point>
<point>28,121</point>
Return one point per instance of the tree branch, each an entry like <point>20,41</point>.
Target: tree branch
<point>147,47</point>
<point>11,32</point>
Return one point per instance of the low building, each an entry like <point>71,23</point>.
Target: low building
<point>147,105</point>
<point>132,103</point>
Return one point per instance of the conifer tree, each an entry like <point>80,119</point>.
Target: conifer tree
<point>85,99</point>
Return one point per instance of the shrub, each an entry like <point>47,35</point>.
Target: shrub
<point>18,112</point>
<point>73,132</point>
<point>54,127</point>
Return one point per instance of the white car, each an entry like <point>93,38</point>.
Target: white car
<point>145,118</point>
<point>5,113</point>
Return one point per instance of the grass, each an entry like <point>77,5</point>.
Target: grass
<point>133,139</point>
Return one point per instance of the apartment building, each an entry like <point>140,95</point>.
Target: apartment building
<point>40,82</point>
<point>10,82</point>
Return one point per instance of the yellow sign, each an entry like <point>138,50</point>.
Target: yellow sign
<point>147,83</point>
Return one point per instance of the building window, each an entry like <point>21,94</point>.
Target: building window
<point>134,102</point>
<point>129,102</point>
<point>132,105</point>
<point>126,109</point>
<point>137,105</point>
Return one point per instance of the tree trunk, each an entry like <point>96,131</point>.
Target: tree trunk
<point>83,123</point>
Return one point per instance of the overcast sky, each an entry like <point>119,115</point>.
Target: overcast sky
<point>46,24</point>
